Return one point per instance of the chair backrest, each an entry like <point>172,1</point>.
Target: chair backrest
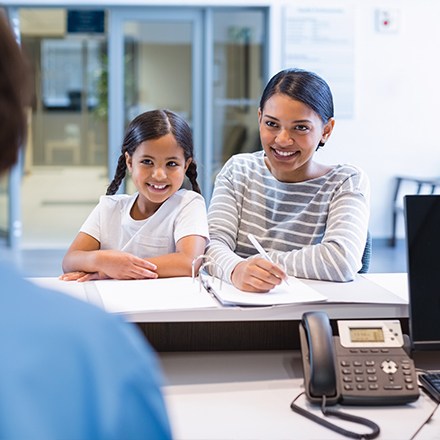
<point>366,256</point>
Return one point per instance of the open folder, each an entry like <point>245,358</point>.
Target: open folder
<point>295,292</point>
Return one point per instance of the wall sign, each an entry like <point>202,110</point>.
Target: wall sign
<point>85,22</point>
<point>321,39</point>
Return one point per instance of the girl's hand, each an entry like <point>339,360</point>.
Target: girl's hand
<point>83,276</point>
<point>257,275</point>
<point>124,266</point>
<point>72,276</point>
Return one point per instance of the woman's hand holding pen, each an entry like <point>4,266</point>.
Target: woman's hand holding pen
<point>257,275</point>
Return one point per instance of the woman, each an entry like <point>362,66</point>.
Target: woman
<point>311,218</point>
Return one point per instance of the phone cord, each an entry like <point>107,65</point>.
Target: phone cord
<point>375,430</point>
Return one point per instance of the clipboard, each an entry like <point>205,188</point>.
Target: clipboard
<point>295,292</point>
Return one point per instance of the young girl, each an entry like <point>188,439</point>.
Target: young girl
<point>159,230</point>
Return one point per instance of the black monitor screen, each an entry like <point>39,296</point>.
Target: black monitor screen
<point>422,221</point>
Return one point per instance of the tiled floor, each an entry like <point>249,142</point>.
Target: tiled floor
<point>35,263</point>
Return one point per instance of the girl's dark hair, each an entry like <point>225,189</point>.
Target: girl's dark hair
<point>153,125</point>
<point>15,92</point>
<point>304,86</point>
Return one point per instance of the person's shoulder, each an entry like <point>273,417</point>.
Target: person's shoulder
<point>348,170</point>
<point>245,164</point>
<point>247,158</point>
<point>186,196</point>
<point>116,200</point>
<point>351,175</point>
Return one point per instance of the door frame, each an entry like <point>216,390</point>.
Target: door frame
<point>14,231</point>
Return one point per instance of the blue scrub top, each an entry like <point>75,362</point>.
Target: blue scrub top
<point>68,370</point>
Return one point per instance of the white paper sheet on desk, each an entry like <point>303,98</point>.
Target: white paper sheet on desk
<point>147,295</point>
<point>360,290</point>
<point>294,293</point>
<point>72,288</point>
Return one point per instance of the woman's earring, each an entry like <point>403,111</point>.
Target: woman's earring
<point>320,145</point>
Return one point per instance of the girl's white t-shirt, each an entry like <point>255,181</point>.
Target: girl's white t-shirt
<point>183,214</point>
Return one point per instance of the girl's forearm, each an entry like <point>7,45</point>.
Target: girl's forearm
<point>84,261</point>
<point>173,265</point>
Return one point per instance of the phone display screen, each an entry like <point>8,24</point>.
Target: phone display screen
<point>369,334</point>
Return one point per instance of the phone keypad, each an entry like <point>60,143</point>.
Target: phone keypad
<point>374,374</point>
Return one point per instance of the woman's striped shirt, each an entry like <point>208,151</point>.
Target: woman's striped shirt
<point>315,229</point>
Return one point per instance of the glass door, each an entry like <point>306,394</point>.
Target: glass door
<point>239,60</point>
<point>161,67</point>
<point>64,169</point>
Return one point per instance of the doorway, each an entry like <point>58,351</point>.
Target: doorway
<point>208,64</point>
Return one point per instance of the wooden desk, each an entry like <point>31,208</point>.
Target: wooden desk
<point>247,395</point>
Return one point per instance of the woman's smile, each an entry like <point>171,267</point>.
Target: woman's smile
<point>281,154</point>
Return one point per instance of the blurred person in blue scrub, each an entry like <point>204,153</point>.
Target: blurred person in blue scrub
<point>68,370</point>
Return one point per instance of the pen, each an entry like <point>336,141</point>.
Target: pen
<point>261,251</point>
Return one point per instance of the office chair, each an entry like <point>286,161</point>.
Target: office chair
<point>417,186</point>
<point>366,256</point>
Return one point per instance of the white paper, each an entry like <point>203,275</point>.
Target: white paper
<point>72,288</point>
<point>396,283</point>
<point>120,296</point>
<point>360,290</point>
<point>295,292</point>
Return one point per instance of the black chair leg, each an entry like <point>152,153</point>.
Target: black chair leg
<point>393,231</point>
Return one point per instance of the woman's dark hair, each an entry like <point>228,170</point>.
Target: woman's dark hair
<point>153,125</point>
<point>304,86</point>
<point>15,94</point>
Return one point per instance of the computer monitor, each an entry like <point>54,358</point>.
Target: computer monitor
<point>422,222</point>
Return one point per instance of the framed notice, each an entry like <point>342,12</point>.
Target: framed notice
<point>320,38</point>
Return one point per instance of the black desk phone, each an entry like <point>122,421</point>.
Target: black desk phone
<point>365,365</point>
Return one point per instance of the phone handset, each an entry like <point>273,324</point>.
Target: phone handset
<point>319,359</point>
<point>320,381</point>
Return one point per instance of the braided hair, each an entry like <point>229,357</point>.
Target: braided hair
<point>153,125</point>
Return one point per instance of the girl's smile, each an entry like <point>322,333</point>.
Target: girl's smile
<point>158,188</point>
